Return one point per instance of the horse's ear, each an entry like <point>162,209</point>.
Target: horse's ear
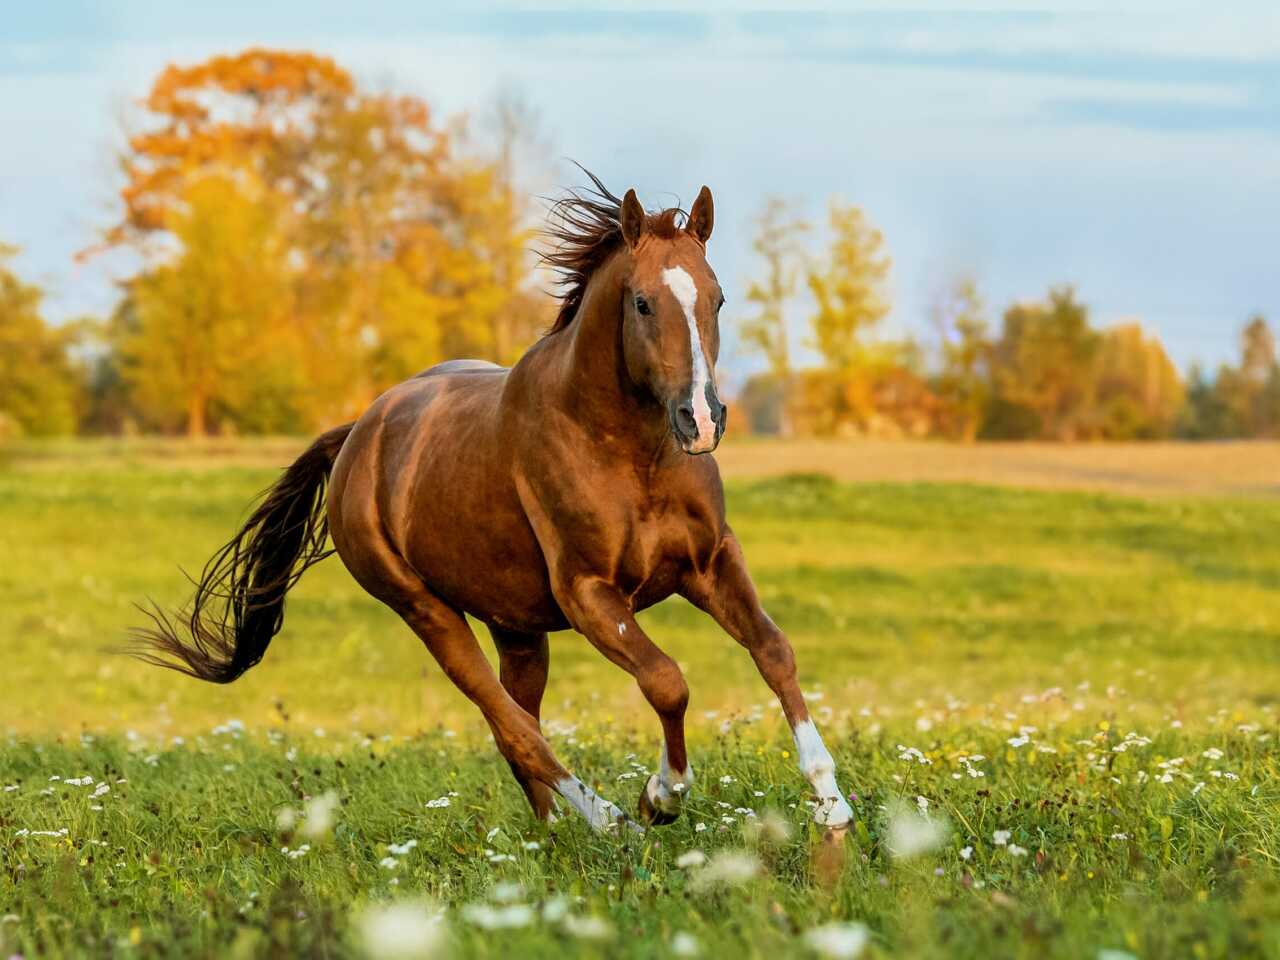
<point>702,217</point>
<point>632,219</point>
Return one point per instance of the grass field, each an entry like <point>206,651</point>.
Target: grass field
<point>1114,661</point>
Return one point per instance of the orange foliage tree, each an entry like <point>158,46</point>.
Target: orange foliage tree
<point>394,244</point>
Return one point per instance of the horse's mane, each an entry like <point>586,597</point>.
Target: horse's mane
<point>585,229</point>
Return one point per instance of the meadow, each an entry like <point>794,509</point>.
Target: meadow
<point>1055,710</point>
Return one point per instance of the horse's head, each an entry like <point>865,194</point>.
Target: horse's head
<point>671,303</point>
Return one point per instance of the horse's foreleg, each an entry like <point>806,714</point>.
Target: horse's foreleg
<point>726,592</point>
<point>523,659</point>
<point>599,612</point>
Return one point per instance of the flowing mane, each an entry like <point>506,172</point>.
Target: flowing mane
<point>585,230</point>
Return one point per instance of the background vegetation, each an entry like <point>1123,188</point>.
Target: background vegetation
<point>300,243</point>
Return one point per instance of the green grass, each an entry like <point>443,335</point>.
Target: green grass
<point>945,618</point>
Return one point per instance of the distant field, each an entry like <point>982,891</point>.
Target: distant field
<point>1114,659</point>
<point>1250,468</point>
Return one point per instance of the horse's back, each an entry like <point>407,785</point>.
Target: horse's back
<point>427,474</point>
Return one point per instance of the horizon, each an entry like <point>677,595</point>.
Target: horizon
<point>1132,154</point>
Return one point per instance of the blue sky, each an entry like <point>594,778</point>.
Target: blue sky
<point>1130,148</point>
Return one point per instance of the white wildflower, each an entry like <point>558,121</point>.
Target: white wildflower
<point>1017,851</point>
<point>506,892</point>
<point>402,930</point>
<point>728,868</point>
<point>685,944</point>
<point>769,827</point>
<point>437,803</point>
<point>319,813</point>
<point>400,849</point>
<point>587,928</point>
<point>1001,837</point>
<point>911,754</point>
<point>838,941</point>
<point>966,853</point>
<point>912,833</point>
<point>691,858</point>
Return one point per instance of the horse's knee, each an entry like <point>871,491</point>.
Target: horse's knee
<point>664,686</point>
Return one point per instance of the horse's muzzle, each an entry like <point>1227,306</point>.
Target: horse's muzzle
<point>699,434</point>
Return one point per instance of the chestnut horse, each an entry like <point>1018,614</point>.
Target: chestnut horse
<point>571,490</point>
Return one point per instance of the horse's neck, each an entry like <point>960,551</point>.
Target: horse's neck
<point>598,388</point>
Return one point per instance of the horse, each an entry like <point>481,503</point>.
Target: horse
<point>571,490</point>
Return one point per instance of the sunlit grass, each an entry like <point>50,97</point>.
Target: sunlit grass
<point>1114,662</point>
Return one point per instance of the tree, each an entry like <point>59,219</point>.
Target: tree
<point>849,289</point>
<point>40,390</point>
<point>1255,398</point>
<point>777,243</point>
<point>964,385</point>
<point>521,160</point>
<point>208,325</point>
<point>397,249</point>
<point>1138,391</point>
<point>1044,370</point>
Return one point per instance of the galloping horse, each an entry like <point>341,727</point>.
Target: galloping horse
<point>571,490</point>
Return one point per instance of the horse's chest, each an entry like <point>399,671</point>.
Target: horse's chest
<point>659,552</point>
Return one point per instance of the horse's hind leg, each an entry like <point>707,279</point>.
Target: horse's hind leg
<point>523,659</point>
<point>446,634</point>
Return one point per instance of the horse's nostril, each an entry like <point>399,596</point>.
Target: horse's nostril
<point>685,419</point>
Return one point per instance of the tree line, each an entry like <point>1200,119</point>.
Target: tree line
<point>300,243</point>
<point>1045,372</point>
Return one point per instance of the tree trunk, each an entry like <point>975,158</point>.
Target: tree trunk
<point>195,415</point>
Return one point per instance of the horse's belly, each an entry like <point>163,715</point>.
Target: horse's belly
<point>472,545</point>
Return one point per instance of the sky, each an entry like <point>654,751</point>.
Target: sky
<point>1131,149</point>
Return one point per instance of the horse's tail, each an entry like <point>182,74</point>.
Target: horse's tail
<point>239,599</point>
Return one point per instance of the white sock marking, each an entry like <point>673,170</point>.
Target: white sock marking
<point>685,291</point>
<point>820,770</point>
<point>667,788</point>
<point>600,813</point>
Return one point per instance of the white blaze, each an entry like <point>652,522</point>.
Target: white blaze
<point>685,291</point>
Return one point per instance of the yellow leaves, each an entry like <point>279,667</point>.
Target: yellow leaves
<point>325,244</point>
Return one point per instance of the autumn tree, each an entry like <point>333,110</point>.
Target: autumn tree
<point>39,386</point>
<point>207,326</point>
<point>849,288</point>
<point>511,133</point>
<point>777,243</point>
<point>1138,392</point>
<point>964,381</point>
<point>1044,371</point>
<point>394,244</point>
<point>1248,395</point>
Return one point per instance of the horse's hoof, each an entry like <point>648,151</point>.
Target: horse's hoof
<point>650,814</point>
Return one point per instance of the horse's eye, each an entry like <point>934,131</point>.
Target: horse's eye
<point>642,306</point>
<point>720,306</point>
